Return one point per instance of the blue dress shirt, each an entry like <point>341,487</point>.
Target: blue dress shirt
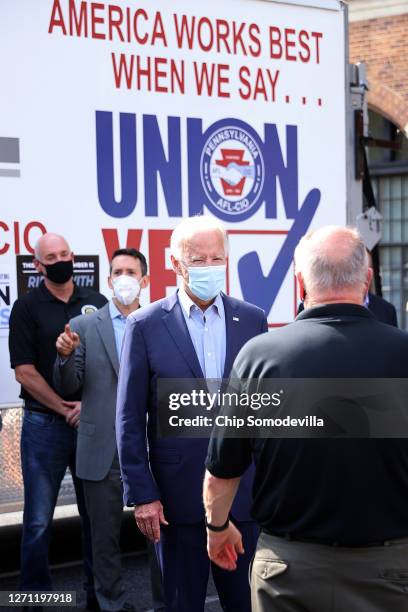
<point>119,324</point>
<point>207,332</point>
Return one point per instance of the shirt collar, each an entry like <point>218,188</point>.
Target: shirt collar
<point>335,310</point>
<point>219,306</point>
<point>47,296</point>
<point>114,311</point>
<point>187,303</point>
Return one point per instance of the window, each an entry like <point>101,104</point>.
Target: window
<point>389,175</point>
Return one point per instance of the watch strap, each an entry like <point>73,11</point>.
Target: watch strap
<point>217,528</point>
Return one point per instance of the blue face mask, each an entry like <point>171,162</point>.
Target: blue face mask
<point>206,282</point>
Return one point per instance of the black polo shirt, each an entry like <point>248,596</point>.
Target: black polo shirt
<point>347,491</point>
<point>36,321</point>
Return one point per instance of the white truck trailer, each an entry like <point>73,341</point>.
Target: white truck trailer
<point>118,118</point>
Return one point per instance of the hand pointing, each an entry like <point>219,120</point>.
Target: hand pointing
<point>67,342</point>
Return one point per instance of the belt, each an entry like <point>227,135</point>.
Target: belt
<point>290,537</point>
<point>34,406</point>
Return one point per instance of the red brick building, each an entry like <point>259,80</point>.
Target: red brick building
<point>378,36</point>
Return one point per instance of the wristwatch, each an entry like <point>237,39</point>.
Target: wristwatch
<point>217,528</point>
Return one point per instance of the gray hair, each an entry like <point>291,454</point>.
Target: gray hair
<point>332,258</point>
<point>42,239</point>
<point>190,226</point>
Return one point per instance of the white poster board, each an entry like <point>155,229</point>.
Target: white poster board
<point>117,120</point>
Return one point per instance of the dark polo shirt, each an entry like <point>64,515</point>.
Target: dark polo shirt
<point>352,492</point>
<point>36,321</point>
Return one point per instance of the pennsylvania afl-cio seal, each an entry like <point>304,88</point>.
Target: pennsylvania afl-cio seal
<point>232,171</point>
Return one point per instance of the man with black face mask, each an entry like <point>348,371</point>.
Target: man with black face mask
<point>48,436</point>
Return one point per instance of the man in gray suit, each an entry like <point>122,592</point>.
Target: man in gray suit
<point>88,357</point>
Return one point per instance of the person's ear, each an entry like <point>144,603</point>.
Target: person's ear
<point>370,274</point>
<point>39,266</point>
<point>110,284</point>
<point>144,281</point>
<point>301,285</point>
<point>176,265</point>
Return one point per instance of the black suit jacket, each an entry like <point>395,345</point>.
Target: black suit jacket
<point>383,311</point>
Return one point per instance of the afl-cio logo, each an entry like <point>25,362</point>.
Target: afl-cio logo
<point>232,171</point>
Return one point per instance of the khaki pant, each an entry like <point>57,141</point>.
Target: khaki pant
<point>289,576</point>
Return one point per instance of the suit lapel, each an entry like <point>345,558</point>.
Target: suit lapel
<point>232,334</point>
<point>176,325</point>
<point>105,329</point>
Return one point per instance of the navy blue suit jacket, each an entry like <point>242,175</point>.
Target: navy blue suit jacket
<point>157,344</point>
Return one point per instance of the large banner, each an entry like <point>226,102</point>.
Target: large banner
<point>117,120</point>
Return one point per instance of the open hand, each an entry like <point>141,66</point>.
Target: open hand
<point>224,546</point>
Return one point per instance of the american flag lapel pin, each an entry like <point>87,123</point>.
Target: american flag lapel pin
<point>235,318</point>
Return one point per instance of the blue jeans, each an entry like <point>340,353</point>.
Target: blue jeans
<point>48,446</point>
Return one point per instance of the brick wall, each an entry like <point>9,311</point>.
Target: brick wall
<point>383,45</point>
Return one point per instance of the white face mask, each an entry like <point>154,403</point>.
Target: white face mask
<point>126,289</point>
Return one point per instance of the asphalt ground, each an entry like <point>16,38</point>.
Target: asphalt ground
<point>66,567</point>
